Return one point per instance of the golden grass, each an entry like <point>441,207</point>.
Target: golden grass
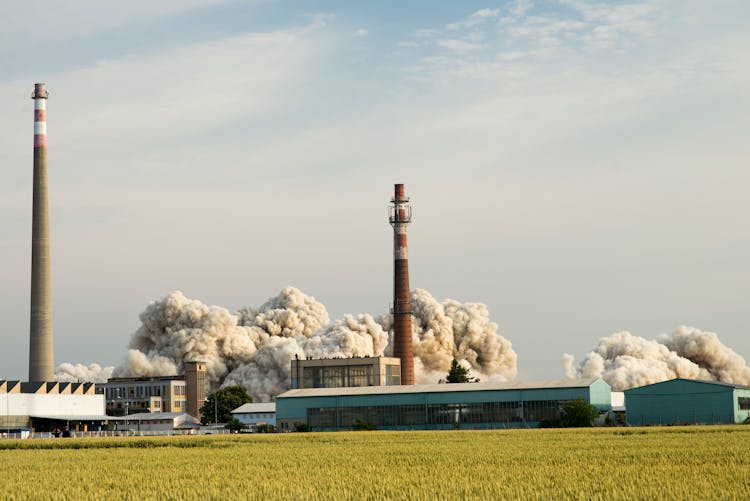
<point>620,463</point>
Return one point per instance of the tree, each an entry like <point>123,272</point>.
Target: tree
<point>223,402</point>
<point>234,425</point>
<point>578,414</point>
<point>459,374</point>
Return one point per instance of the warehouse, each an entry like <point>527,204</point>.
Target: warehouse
<point>688,401</point>
<point>438,406</point>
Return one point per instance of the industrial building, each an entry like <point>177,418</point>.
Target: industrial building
<point>688,401</point>
<point>438,406</point>
<point>131,395</point>
<point>156,422</point>
<point>254,415</point>
<point>344,372</point>
<point>48,406</point>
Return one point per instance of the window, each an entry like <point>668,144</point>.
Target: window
<point>360,375</point>
<point>392,375</point>
<point>744,403</point>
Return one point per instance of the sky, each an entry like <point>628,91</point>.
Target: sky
<point>578,166</point>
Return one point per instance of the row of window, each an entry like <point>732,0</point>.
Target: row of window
<point>337,377</point>
<point>435,414</point>
<point>345,376</point>
<point>143,391</point>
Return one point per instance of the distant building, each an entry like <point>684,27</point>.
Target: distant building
<point>688,401</point>
<point>133,395</point>
<point>253,415</point>
<point>46,406</point>
<point>156,421</point>
<point>345,372</point>
<point>516,404</point>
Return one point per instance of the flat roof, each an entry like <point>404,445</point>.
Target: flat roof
<point>143,379</point>
<point>73,417</point>
<point>252,408</point>
<point>438,388</point>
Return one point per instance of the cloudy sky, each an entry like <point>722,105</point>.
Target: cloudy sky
<point>579,166</point>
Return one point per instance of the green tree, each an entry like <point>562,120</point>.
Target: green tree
<point>223,402</point>
<point>234,425</point>
<point>578,414</point>
<point>459,374</point>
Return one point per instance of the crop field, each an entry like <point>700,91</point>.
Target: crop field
<point>606,463</point>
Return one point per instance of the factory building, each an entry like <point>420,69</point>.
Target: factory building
<point>438,406</point>
<point>688,401</point>
<point>345,372</point>
<point>132,395</point>
<point>48,406</point>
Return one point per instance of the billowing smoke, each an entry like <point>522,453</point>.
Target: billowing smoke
<point>79,373</point>
<point>448,330</point>
<point>627,361</point>
<point>255,347</point>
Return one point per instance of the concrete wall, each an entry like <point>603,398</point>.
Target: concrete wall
<point>256,417</point>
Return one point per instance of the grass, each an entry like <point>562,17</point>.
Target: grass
<point>620,463</point>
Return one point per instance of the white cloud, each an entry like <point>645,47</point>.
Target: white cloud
<point>458,46</point>
<point>519,8</point>
<point>477,18</point>
<point>485,14</point>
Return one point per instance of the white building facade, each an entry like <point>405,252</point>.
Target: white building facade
<point>254,415</point>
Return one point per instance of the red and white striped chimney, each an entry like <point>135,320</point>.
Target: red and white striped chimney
<point>400,217</point>
<point>41,355</point>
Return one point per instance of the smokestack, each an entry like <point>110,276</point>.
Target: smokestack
<point>399,217</point>
<point>41,359</point>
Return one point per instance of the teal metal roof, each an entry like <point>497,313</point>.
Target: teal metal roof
<point>702,381</point>
<point>438,388</point>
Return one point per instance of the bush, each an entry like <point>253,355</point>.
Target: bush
<point>360,425</point>
<point>550,423</point>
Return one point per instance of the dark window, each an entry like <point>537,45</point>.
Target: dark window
<point>744,403</point>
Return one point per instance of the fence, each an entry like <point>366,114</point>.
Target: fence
<point>121,433</point>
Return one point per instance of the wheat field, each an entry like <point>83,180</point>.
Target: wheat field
<point>606,463</point>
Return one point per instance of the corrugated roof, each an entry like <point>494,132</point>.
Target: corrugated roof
<point>252,408</point>
<point>438,388</point>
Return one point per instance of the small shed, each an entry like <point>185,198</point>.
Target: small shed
<point>156,421</point>
<point>688,401</point>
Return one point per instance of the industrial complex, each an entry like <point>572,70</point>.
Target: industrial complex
<point>323,394</point>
